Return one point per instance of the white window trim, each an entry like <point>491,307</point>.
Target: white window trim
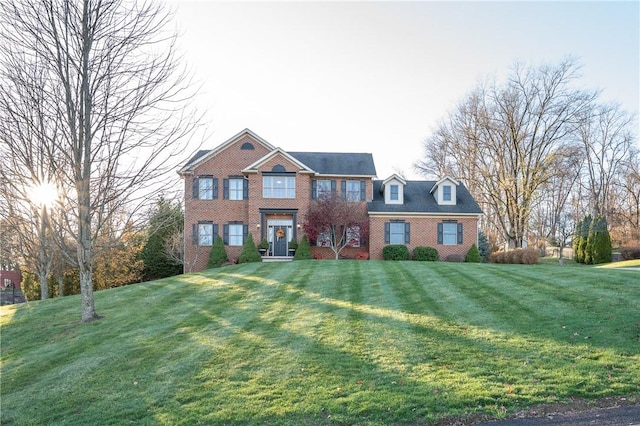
<point>203,235</point>
<point>289,187</point>
<point>235,238</point>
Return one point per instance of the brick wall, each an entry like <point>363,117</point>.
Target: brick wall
<point>424,232</point>
<point>228,162</point>
<point>231,160</point>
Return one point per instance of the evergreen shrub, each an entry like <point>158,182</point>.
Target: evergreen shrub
<point>473,255</point>
<point>429,254</point>
<point>395,252</point>
<point>250,252</point>
<point>218,254</point>
<point>303,251</point>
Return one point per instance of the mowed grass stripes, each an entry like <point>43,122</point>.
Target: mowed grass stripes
<point>325,342</point>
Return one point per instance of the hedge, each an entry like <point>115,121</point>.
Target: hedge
<point>395,252</point>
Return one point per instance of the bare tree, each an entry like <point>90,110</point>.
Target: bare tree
<point>608,140</point>
<point>508,138</point>
<point>115,106</point>
<point>627,211</point>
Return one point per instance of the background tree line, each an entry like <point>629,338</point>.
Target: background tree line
<point>145,251</point>
<point>539,154</point>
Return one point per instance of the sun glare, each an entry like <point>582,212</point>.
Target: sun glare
<point>44,194</point>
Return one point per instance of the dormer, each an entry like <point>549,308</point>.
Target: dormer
<point>393,189</point>
<point>444,191</point>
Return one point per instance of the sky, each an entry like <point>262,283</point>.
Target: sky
<point>377,77</point>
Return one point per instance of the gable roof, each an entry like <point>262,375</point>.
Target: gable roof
<point>418,199</point>
<point>444,179</point>
<point>253,168</point>
<point>338,163</point>
<point>393,177</point>
<point>204,154</point>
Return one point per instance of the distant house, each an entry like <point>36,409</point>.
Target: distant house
<point>10,279</point>
<point>246,185</point>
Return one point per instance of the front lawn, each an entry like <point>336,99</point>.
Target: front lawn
<point>325,342</point>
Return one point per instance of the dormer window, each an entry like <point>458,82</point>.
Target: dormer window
<point>393,189</point>
<point>393,192</point>
<point>446,193</point>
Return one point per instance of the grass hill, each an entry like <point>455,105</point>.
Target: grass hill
<point>325,342</point>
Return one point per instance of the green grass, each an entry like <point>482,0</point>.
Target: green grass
<point>325,342</point>
<point>633,263</point>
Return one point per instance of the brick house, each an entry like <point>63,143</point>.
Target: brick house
<point>246,185</point>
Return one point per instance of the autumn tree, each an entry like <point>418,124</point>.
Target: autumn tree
<point>507,139</point>
<point>336,222</point>
<point>97,85</point>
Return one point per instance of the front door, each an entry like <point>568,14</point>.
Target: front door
<point>280,241</point>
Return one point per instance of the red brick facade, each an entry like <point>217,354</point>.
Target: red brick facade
<point>237,159</point>
<point>424,232</point>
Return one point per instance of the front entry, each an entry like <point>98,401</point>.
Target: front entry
<point>280,241</point>
<point>279,233</point>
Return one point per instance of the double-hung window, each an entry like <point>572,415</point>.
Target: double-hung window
<point>446,193</point>
<point>397,232</point>
<point>353,236</point>
<point>205,188</point>
<point>353,190</point>
<point>204,233</point>
<point>394,195</point>
<point>276,186</point>
<point>236,188</point>
<point>322,188</point>
<point>235,233</point>
<point>449,233</point>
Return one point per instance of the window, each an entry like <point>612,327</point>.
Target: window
<point>235,233</point>
<point>322,188</point>
<point>205,188</point>
<point>394,195</point>
<point>353,190</point>
<point>397,232</point>
<point>236,188</point>
<point>449,233</point>
<point>324,239</point>
<point>204,233</point>
<point>446,193</point>
<point>353,236</point>
<point>278,187</point>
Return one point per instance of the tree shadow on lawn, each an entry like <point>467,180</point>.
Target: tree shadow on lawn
<point>358,362</point>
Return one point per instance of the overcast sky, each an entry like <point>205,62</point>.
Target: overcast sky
<point>377,76</point>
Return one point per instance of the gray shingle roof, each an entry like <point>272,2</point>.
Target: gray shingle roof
<point>337,163</point>
<point>196,156</point>
<point>326,163</point>
<point>417,199</point>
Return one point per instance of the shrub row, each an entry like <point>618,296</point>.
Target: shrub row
<point>524,256</point>
<point>628,253</point>
<point>428,254</point>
